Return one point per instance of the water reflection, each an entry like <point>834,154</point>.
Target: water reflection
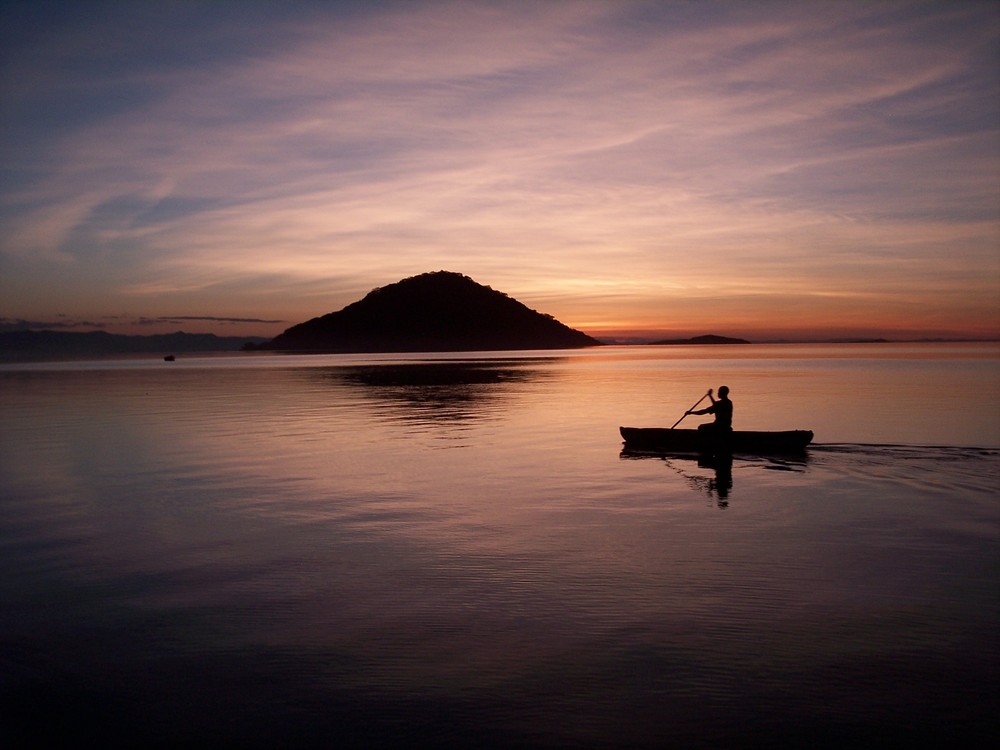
<point>716,486</point>
<point>449,391</point>
<point>263,556</point>
<point>717,482</point>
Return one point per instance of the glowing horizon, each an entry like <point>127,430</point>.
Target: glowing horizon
<point>776,170</point>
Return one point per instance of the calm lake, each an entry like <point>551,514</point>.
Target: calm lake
<point>452,551</point>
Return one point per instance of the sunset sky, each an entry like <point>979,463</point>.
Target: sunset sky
<point>765,169</point>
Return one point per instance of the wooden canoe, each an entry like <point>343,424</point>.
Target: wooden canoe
<point>665,440</point>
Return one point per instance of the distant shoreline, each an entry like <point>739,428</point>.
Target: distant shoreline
<point>644,341</point>
<point>47,345</point>
<point>42,346</point>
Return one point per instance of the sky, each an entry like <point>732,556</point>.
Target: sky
<point>765,170</point>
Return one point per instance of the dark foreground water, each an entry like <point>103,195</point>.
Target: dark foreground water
<point>453,552</point>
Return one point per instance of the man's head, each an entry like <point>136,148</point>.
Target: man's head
<point>723,391</point>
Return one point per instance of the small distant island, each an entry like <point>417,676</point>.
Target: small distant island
<point>437,311</point>
<point>698,340</point>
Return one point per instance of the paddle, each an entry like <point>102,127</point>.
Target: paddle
<point>690,410</point>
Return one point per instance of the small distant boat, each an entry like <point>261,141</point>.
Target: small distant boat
<point>169,358</point>
<point>666,440</point>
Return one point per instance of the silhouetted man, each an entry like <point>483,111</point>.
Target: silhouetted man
<point>722,408</point>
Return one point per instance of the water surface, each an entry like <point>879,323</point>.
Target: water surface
<point>452,550</point>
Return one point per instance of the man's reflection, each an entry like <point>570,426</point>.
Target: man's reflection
<point>718,486</point>
<point>721,484</point>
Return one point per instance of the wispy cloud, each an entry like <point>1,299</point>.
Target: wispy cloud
<point>9,324</point>
<point>213,319</point>
<point>115,321</point>
<point>617,160</point>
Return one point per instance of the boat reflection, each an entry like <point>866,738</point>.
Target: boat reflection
<point>717,482</point>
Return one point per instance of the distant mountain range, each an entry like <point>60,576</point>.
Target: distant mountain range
<point>42,345</point>
<point>439,311</point>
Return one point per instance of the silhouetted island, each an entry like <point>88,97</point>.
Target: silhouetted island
<point>439,311</point>
<point>710,339</point>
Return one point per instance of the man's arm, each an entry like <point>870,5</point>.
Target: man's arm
<point>710,409</point>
